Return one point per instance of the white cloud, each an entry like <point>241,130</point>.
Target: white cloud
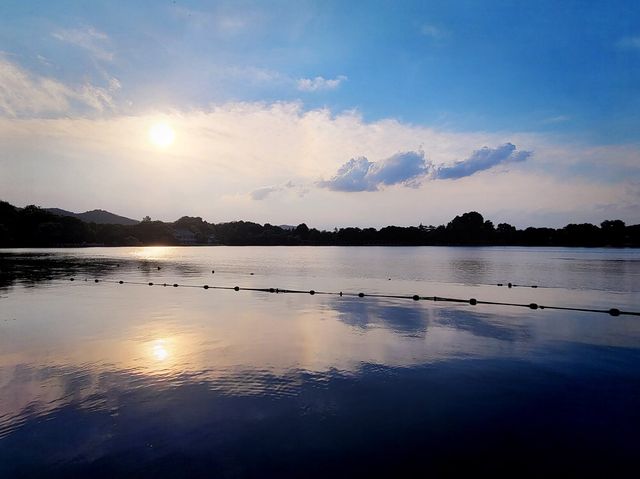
<point>88,38</point>
<point>320,83</point>
<point>224,152</point>
<point>22,93</point>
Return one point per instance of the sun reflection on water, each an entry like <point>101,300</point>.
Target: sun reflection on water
<point>153,252</point>
<point>159,350</point>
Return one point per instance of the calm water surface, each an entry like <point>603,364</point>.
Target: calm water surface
<point>109,380</point>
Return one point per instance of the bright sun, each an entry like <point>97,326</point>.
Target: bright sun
<point>161,135</point>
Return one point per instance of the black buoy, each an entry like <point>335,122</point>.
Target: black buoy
<point>473,301</point>
<point>271,290</point>
<point>510,285</point>
<point>614,312</point>
<point>533,306</point>
<point>312,292</point>
<point>175,285</point>
<point>251,274</point>
<point>416,297</point>
<point>500,284</point>
<point>534,286</point>
<point>96,280</point>
<point>237,288</point>
<point>361,295</point>
<point>71,279</point>
<point>212,271</point>
<point>340,293</point>
<point>121,282</point>
<point>206,286</point>
<point>164,284</point>
<point>150,284</point>
<point>158,267</point>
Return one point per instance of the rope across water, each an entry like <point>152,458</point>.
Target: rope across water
<point>415,297</point>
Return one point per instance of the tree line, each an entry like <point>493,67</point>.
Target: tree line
<point>34,227</point>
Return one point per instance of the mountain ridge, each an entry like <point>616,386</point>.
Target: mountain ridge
<point>98,216</point>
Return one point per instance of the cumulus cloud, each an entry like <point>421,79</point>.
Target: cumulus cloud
<point>87,38</point>
<point>320,83</point>
<point>22,93</point>
<point>480,160</point>
<point>360,174</point>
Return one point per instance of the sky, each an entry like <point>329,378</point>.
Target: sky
<point>330,113</point>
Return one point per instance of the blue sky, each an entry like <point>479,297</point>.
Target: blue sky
<point>438,80</point>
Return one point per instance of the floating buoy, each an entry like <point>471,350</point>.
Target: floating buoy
<point>340,293</point>
<point>212,271</point>
<point>96,280</point>
<point>533,306</point>
<point>237,288</point>
<point>150,284</point>
<point>614,312</point>
<point>271,290</point>
<point>206,286</point>
<point>510,285</point>
<point>121,282</point>
<point>312,292</point>
<point>473,301</point>
<point>71,279</point>
<point>175,285</point>
<point>158,267</point>
<point>361,295</point>
<point>251,274</point>
<point>416,297</point>
<point>500,284</point>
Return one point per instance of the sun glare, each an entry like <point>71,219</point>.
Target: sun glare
<point>162,135</point>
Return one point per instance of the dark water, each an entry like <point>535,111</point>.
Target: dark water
<point>109,380</point>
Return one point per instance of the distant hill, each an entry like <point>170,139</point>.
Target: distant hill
<point>100,217</point>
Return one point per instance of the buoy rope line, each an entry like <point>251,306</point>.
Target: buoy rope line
<point>415,297</point>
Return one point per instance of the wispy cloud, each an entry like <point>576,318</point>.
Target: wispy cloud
<point>556,119</point>
<point>22,93</point>
<point>88,38</point>
<point>262,193</point>
<point>320,83</point>
<point>265,191</point>
<point>630,43</point>
<point>480,160</point>
<point>434,32</point>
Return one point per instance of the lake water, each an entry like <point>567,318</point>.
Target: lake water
<point>109,380</point>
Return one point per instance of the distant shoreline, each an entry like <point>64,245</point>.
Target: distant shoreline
<point>34,227</point>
